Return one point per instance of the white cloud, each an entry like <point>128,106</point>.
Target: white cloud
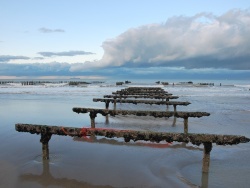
<point>47,30</point>
<point>182,39</point>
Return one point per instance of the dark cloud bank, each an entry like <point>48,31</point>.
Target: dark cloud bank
<point>64,69</point>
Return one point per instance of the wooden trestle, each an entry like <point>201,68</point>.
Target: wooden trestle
<point>136,92</point>
<point>151,102</point>
<point>206,139</point>
<point>157,114</point>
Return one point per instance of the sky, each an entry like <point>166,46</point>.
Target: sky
<point>125,39</point>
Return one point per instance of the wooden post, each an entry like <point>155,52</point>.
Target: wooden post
<point>174,122</point>
<point>45,137</point>
<point>46,170</point>
<point>107,105</point>
<point>186,125</point>
<point>206,156</point>
<point>107,119</point>
<point>114,104</point>
<point>174,107</point>
<point>92,116</point>
<point>204,180</point>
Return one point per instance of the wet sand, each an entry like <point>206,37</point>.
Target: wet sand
<point>102,162</point>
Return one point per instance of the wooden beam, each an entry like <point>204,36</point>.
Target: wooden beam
<point>128,135</point>
<point>156,114</point>
<point>134,135</point>
<point>141,96</point>
<point>157,102</point>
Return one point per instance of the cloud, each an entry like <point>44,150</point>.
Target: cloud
<point>201,41</point>
<point>7,58</point>
<point>38,58</point>
<point>34,69</point>
<point>63,70</point>
<point>68,53</point>
<point>46,30</point>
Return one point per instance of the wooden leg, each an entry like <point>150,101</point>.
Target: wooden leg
<point>185,125</point>
<point>92,119</point>
<point>45,137</point>
<point>206,156</point>
<point>174,108</point>
<point>107,105</point>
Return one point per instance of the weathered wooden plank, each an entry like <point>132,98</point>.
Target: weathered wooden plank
<point>156,114</point>
<point>144,88</point>
<point>140,90</point>
<point>134,135</point>
<point>206,139</point>
<point>141,101</point>
<point>142,96</point>
<point>126,92</point>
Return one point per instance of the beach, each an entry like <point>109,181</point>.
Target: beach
<point>104,162</point>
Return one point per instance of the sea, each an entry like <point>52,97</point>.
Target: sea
<point>111,162</point>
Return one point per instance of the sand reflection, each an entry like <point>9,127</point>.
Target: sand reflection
<point>45,179</point>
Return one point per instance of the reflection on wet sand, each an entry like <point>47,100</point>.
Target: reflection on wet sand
<point>103,140</point>
<point>94,139</point>
<point>46,179</point>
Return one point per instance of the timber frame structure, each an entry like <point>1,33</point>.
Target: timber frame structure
<point>136,92</point>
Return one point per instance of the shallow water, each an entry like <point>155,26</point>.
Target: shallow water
<point>102,162</point>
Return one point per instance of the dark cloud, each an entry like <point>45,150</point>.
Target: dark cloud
<point>46,30</point>
<point>68,53</point>
<point>201,41</point>
<point>34,69</point>
<point>7,58</point>
<point>163,73</point>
